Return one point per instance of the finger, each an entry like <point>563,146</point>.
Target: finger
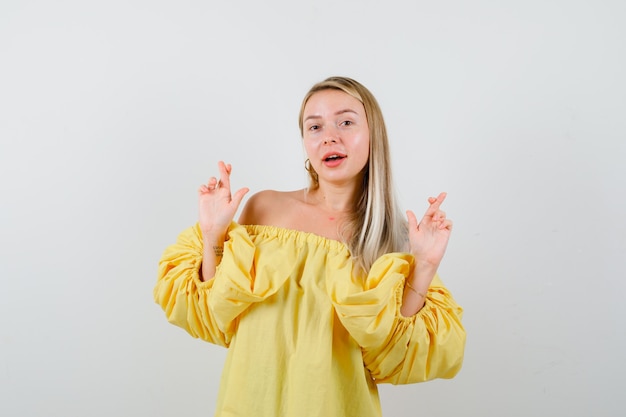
<point>435,203</point>
<point>445,224</point>
<point>224,174</point>
<point>439,215</point>
<point>412,219</point>
<point>212,184</point>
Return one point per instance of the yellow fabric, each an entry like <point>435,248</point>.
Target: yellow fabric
<point>306,336</point>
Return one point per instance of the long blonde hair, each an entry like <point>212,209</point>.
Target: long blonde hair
<point>377,226</point>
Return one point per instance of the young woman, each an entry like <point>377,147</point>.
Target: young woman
<point>321,293</point>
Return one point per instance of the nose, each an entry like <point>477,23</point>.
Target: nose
<point>331,136</point>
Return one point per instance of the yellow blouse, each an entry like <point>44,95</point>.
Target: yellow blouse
<point>306,336</point>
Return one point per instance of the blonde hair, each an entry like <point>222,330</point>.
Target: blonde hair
<point>377,226</point>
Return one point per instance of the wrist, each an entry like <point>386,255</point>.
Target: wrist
<point>424,269</point>
<point>213,237</point>
<point>420,293</point>
<point>422,277</point>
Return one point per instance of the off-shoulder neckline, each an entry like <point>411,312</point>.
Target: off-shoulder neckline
<point>295,234</point>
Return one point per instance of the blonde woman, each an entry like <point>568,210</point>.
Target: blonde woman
<point>322,293</point>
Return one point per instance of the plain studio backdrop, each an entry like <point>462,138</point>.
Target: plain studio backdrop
<point>112,113</point>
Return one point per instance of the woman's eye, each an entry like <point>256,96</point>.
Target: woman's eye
<point>347,123</point>
<point>314,127</point>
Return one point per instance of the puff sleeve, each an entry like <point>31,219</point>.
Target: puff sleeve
<point>210,310</point>
<point>397,349</point>
<point>244,277</point>
<point>181,293</point>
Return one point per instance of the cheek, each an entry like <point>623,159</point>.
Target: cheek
<point>364,146</point>
<point>307,147</point>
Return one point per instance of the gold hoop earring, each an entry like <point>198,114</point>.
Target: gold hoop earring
<point>311,171</point>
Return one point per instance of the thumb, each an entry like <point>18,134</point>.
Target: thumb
<point>412,220</point>
<point>238,196</point>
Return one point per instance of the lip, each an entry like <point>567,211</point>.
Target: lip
<point>329,154</point>
<point>333,163</point>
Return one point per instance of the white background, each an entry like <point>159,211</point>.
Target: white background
<point>112,113</point>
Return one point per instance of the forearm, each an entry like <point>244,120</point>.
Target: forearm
<point>416,288</point>
<point>213,247</point>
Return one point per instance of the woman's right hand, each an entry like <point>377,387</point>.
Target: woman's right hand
<point>216,205</point>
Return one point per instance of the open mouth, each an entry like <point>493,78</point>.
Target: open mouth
<point>334,157</point>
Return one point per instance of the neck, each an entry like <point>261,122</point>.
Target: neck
<point>334,198</point>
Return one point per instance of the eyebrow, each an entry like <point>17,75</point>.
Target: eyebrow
<point>315,116</point>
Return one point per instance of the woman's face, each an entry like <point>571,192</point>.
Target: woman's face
<point>336,136</point>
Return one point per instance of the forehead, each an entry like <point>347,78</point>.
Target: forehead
<point>331,101</point>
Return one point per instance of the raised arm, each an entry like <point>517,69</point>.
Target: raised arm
<point>428,241</point>
<point>216,209</point>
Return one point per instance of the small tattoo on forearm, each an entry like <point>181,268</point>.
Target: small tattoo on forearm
<point>219,251</point>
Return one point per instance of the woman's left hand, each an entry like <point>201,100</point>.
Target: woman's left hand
<point>428,239</point>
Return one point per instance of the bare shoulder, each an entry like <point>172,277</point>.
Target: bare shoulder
<point>272,208</point>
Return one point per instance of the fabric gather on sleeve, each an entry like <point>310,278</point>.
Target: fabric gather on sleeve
<point>398,349</point>
<point>181,293</point>
<point>210,310</point>
<point>236,285</point>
